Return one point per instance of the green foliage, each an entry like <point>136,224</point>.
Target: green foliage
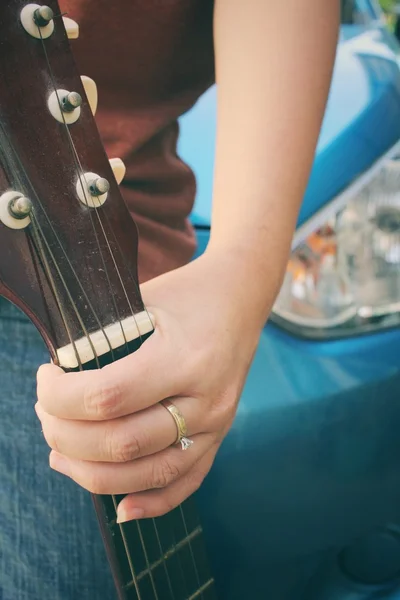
<point>387,5</point>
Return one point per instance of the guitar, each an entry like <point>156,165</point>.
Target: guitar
<point>68,260</point>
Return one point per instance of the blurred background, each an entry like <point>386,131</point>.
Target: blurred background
<point>392,14</point>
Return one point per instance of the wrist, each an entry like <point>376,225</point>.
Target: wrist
<point>251,279</point>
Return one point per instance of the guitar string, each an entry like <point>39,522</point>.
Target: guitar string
<point>80,174</point>
<point>128,556</point>
<point>48,271</point>
<point>37,232</point>
<point>47,218</point>
<point>66,287</point>
<point>175,543</point>
<point>40,272</point>
<point>122,255</point>
<point>54,288</point>
<point>154,520</point>
<point>128,268</point>
<point>164,562</point>
<point>40,251</point>
<point>13,170</point>
<point>137,522</point>
<point>191,550</point>
<point>81,179</point>
<point>80,365</point>
<point>127,298</point>
<point>39,248</point>
<point>76,158</point>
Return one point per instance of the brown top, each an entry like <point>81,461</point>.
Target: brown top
<point>151,60</point>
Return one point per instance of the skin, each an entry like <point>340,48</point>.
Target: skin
<point>106,428</point>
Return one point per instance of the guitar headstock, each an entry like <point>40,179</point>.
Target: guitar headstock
<point>68,245</point>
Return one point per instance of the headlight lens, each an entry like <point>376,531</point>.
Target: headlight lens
<point>345,277</point>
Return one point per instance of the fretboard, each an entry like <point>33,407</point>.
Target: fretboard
<point>157,559</point>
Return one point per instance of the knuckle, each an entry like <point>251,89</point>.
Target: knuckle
<point>102,399</point>
<point>164,473</point>
<point>125,449</point>
<point>222,413</point>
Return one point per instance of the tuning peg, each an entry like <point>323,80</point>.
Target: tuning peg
<point>118,168</point>
<point>37,20</point>
<point>15,209</point>
<point>71,27</point>
<point>91,92</point>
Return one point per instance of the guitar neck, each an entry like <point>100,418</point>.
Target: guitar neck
<point>157,559</point>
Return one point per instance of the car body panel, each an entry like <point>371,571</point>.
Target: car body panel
<point>310,465</point>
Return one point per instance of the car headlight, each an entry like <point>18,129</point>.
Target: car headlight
<point>343,276</point>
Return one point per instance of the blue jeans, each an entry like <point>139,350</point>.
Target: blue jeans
<point>50,544</point>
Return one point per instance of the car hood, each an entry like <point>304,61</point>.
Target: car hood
<point>362,121</point>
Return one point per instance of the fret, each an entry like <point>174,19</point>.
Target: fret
<point>177,561</point>
<point>168,554</point>
<point>189,568</point>
<point>167,538</point>
<point>199,552</point>
<point>205,588</point>
<point>205,592</point>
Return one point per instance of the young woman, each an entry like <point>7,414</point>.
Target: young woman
<point>108,432</point>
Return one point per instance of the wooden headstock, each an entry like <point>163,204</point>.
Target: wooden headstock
<point>70,262</point>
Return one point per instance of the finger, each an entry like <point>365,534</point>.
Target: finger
<point>155,471</point>
<point>123,387</point>
<point>155,503</point>
<point>119,440</point>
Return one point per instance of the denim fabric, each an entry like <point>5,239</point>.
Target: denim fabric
<point>50,545</point>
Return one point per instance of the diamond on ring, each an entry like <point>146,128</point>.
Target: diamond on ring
<point>185,443</point>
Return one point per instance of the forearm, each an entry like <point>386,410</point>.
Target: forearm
<point>273,67</point>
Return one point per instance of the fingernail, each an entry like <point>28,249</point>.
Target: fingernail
<point>59,463</point>
<point>124,515</point>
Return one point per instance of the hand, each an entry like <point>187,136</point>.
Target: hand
<point>107,429</point>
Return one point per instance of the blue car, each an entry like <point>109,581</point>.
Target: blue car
<point>303,502</point>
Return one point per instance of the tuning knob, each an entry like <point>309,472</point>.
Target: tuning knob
<point>91,92</point>
<point>37,20</point>
<point>71,27</point>
<point>65,106</point>
<point>118,168</point>
<point>15,209</point>
<point>92,189</point>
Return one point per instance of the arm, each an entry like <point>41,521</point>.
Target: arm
<point>273,68</point>
<point>107,428</point>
